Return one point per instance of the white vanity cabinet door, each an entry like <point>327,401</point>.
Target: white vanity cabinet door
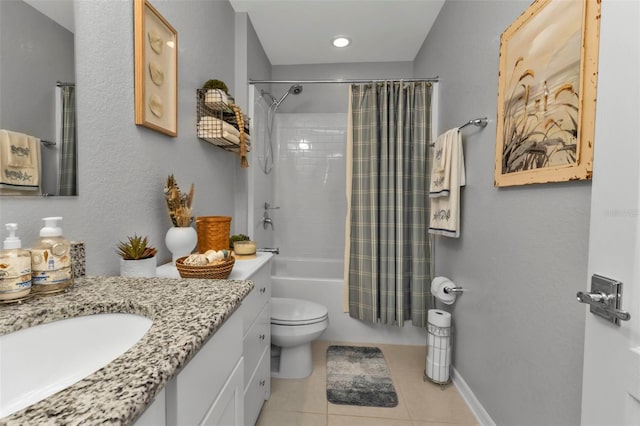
<point>258,388</point>
<point>192,393</point>
<point>228,408</point>
<point>257,339</point>
<point>256,316</point>
<point>155,414</point>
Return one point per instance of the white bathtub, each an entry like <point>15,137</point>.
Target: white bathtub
<point>313,268</point>
<point>321,281</point>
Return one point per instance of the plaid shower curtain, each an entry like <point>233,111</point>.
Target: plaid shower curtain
<point>69,145</point>
<point>390,253</point>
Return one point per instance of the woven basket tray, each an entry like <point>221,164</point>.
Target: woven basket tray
<point>220,271</point>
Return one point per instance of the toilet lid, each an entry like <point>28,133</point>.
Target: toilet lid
<point>287,311</point>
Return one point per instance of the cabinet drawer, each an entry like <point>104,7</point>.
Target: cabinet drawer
<point>259,388</point>
<point>256,340</point>
<point>259,296</point>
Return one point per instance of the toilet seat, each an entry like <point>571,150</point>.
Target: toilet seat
<point>292,312</point>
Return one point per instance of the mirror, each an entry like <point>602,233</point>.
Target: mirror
<point>37,94</point>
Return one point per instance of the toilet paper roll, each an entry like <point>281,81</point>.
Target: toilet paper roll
<point>439,342</point>
<point>439,356</point>
<point>439,318</point>
<point>437,289</point>
<point>438,372</point>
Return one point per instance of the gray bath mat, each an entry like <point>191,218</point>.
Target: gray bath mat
<point>359,376</point>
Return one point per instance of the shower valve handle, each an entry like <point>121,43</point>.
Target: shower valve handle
<point>267,206</point>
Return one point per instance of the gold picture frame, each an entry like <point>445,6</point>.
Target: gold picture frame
<point>547,94</point>
<point>156,70</point>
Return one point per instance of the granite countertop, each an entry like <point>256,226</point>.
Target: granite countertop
<point>185,313</point>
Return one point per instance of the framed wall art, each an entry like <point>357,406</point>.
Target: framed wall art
<point>156,70</point>
<point>547,94</point>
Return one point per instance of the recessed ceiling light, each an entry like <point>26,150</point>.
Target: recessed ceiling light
<point>340,41</point>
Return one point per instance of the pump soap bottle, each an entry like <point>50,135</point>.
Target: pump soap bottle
<point>51,259</point>
<point>15,268</point>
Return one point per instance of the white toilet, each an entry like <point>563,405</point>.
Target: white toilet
<point>295,323</point>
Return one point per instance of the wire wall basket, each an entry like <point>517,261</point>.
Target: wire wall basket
<point>218,123</point>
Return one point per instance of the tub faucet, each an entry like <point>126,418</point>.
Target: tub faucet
<point>270,250</point>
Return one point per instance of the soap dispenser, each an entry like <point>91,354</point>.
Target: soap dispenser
<point>51,259</point>
<point>15,268</point>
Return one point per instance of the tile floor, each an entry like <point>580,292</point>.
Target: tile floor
<point>303,402</point>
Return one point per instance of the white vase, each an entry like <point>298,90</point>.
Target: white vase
<point>180,241</point>
<point>138,268</point>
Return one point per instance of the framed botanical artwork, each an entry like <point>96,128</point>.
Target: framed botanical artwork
<point>547,94</point>
<point>156,70</point>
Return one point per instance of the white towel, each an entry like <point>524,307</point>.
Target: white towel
<point>211,134</point>
<point>447,176</point>
<point>213,97</point>
<point>19,149</point>
<point>214,125</point>
<point>19,161</point>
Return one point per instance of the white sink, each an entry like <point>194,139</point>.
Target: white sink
<point>39,361</point>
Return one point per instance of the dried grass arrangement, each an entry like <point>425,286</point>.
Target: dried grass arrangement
<point>179,204</point>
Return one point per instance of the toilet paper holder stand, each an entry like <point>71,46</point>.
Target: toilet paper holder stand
<point>453,290</point>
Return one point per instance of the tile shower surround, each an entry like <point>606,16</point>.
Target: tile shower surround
<point>310,178</point>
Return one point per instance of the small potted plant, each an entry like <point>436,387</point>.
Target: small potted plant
<point>138,257</point>
<point>242,245</point>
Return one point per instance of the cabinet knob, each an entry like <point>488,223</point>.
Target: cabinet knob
<point>261,336</point>
<point>263,382</point>
<point>263,289</point>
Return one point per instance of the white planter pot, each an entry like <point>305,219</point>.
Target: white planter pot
<point>181,241</point>
<point>138,268</point>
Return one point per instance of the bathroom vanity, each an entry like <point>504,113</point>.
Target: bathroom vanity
<point>205,359</point>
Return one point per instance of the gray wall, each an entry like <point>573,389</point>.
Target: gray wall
<point>251,64</point>
<point>123,167</point>
<point>522,254</point>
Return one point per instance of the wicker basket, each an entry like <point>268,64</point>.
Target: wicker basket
<point>220,271</point>
<point>213,232</point>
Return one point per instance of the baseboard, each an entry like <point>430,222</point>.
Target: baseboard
<point>473,403</point>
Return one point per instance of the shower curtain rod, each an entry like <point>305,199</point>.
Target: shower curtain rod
<point>347,80</point>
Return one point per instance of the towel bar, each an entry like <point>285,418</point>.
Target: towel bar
<point>480,122</point>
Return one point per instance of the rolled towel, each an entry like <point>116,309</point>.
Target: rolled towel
<point>215,96</point>
<point>207,134</point>
<point>214,125</point>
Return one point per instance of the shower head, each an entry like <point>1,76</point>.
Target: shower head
<point>296,89</point>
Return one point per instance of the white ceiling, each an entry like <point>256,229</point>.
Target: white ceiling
<point>60,11</point>
<point>300,31</point>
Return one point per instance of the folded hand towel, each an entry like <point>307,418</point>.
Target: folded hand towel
<point>19,161</point>
<point>442,167</point>
<point>444,190</point>
<point>19,149</point>
<point>211,124</point>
